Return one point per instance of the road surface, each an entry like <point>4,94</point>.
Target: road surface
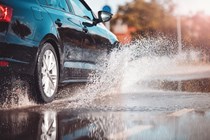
<point>173,106</point>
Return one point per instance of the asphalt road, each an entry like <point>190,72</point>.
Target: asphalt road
<point>158,109</point>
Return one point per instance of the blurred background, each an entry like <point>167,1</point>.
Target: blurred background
<point>184,21</point>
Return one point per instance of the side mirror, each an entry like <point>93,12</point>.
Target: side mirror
<point>104,16</point>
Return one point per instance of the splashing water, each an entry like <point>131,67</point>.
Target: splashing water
<point>126,67</point>
<point>132,63</point>
<point>15,94</point>
<point>120,72</point>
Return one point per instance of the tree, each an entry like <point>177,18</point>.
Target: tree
<point>148,18</point>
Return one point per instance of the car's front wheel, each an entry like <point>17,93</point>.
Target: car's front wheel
<point>47,73</point>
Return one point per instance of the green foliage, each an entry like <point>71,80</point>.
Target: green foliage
<point>149,18</point>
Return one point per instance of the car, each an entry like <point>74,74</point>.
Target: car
<point>54,42</point>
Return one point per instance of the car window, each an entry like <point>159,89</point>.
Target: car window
<point>59,4</point>
<point>80,9</point>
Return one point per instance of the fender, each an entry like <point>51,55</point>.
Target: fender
<point>58,46</point>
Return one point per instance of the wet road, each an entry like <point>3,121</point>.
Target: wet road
<point>151,114</point>
<point>139,103</point>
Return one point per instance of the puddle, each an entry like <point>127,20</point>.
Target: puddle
<point>50,125</point>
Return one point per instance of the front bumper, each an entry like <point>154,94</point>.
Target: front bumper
<point>21,59</point>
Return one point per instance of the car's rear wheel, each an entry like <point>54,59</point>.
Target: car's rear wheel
<point>47,73</point>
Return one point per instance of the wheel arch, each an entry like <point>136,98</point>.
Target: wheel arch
<point>50,38</point>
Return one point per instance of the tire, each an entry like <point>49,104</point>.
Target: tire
<point>47,74</point>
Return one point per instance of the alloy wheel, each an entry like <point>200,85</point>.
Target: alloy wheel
<point>49,72</point>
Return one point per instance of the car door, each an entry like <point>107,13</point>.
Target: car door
<point>96,52</point>
<point>71,36</point>
<point>94,42</point>
<point>102,44</point>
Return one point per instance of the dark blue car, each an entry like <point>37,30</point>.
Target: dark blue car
<point>52,41</point>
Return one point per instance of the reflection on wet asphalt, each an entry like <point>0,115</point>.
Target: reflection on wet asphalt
<point>69,125</point>
<point>145,115</point>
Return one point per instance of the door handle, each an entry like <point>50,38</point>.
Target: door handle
<point>84,29</point>
<point>58,22</point>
